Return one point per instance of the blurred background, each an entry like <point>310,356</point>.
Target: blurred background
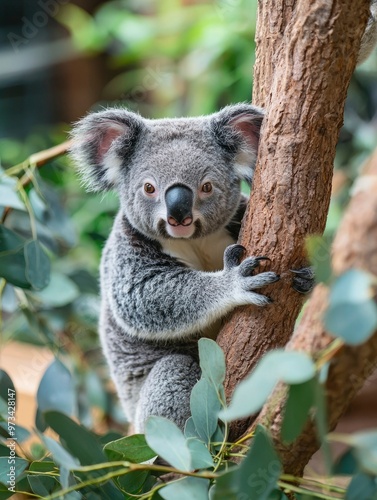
<point>60,59</point>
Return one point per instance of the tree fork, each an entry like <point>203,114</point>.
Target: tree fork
<point>306,54</point>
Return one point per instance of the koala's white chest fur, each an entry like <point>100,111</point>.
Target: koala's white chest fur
<point>203,254</point>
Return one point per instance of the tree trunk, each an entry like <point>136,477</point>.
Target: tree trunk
<point>307,51</point>
<point>355,246</point>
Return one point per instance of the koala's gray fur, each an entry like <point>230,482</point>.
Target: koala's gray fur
<point>161,291</point>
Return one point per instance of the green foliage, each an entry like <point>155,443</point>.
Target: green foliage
<point>352,312</point>
<point>82,464</point>
<point>172,58</point>
<point>180,58</point>
<point>278,365</point>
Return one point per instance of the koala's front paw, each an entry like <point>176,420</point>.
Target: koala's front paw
<point>304,279</point>
<point>244,278</point>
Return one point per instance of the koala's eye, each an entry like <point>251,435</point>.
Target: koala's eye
<point>207,187</point>
<point>149,188</point>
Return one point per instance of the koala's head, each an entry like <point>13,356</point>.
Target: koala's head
<point>176,178</point>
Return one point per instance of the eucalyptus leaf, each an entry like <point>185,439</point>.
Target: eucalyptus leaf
<point>59,454</point>
<point>9,301</point>
<point>60,291</point>
<point>189,430</point>
<point>42,485</point>
<point>352,286</point>
<point>347,464</point>
<point>249,396</point>
<point>37,265</point>
<point>56,390</point>
<point>362,487</point>
<point>9,198</point>
<point>19,465</point>
<point>322,425</point>
<point>78,440</point>
<point>257,475</point>
<point>212,362</point>
<point>189,488</point>
<point>365,450</point>
<point>200,456</point>
<point>51,213</point>
<point>168,441</point>
<point>131,448</point>
<point>12,258</point>
<point>354,323</point>
<point>301,398</point>
<point>205,407</point>
<point>133,482</point>
<point>352,312</point>
<point>6,385</point>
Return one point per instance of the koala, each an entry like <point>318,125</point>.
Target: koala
<point>171,269</point>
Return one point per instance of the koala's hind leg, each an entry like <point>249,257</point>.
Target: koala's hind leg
<point>167,389</point>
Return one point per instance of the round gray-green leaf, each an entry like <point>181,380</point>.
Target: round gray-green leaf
<point>249,396</point>
<point>352,312</point>
<point>59,292</point>
<point>205,406</point>
<point>212,362</point>
<point>189,488</point>
<point>168,441</point>
<point>56,390</point>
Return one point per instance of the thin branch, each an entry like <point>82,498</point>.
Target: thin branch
<point>36,160</point>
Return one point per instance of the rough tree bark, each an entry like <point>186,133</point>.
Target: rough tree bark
<point>306,54</point>
<point>355,246</point>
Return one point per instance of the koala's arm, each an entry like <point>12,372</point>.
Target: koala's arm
<point>153,296</point>
<point>369,39</point>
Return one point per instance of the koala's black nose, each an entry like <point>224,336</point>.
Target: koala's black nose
<point>179,201</point>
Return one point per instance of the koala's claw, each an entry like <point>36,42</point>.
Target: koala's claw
<point>233,255</point>
<point>304,279</point>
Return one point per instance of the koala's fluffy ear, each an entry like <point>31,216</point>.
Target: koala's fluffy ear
<point>103,142</point>
<point>236,129</point>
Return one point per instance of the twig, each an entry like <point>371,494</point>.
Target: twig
<point>36,160</point>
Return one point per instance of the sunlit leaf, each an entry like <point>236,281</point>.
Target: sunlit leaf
<point>352,312</point>
<point>189,488</point>
<point>205,407</point>
<point>200,456</point>
<point>9,197</point>
<point>212,362</point>
<point>168,441</point>
<point>189,430</point>
<point>249,396</point>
